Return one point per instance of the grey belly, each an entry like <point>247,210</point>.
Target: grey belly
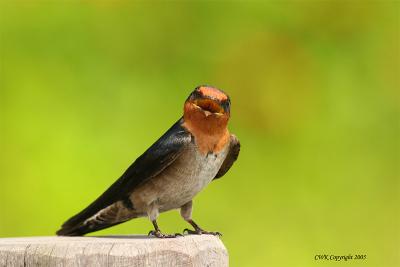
<point>180,182</point>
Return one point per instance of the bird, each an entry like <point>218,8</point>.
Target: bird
<point>196,150</point>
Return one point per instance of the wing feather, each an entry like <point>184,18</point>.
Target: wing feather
<point>152,162</point>
<point>230,158</point>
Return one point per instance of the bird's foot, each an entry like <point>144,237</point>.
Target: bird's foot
<point>200,231</point>
<point>158,234</point>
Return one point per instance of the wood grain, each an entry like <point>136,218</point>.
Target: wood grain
<point>189,250</point>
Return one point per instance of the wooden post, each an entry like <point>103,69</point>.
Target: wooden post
<point>189,250</point>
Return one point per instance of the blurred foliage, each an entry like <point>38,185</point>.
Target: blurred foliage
<point>87,86</point>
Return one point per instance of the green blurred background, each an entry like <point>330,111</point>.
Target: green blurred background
<point>86,87</point>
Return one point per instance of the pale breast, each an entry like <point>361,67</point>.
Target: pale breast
<point>182,180</point>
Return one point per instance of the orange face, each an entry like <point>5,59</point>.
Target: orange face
<point>212,93</point>
<point>206,115</point>
<point>209,105</point>
<point>210,100</point>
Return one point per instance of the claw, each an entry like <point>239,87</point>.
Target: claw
<point>158,234</point>
<point>200,232</point>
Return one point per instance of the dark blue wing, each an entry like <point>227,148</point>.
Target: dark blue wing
<point>233,154</point>
<point>159,156</point>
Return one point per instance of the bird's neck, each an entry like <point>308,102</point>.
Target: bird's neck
<point>210,131</point>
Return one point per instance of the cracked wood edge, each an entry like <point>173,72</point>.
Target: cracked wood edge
<point>190,250</point>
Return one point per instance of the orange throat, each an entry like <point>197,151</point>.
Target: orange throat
<point>209,130</point>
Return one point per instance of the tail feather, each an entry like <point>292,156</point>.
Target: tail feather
<point>112,215</point>
<point>77,230</point>
<point>83,229</point>
<point>111,196</point>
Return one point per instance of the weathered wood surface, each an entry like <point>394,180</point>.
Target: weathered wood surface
<point>189,250</point>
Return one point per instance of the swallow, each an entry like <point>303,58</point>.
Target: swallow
<point>196,150</point>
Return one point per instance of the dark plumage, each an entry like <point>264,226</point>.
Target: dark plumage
<point>170,172</point>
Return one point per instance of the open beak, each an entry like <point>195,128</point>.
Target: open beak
<point>209,106</point>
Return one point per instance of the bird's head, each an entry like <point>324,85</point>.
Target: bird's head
<point>210,101</point>
<point>207,107</point>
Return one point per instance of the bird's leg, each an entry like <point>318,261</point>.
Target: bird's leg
<point>153,214</point>
<point>198,230</point>
<point>157,232</point>
<point>186,213</point>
